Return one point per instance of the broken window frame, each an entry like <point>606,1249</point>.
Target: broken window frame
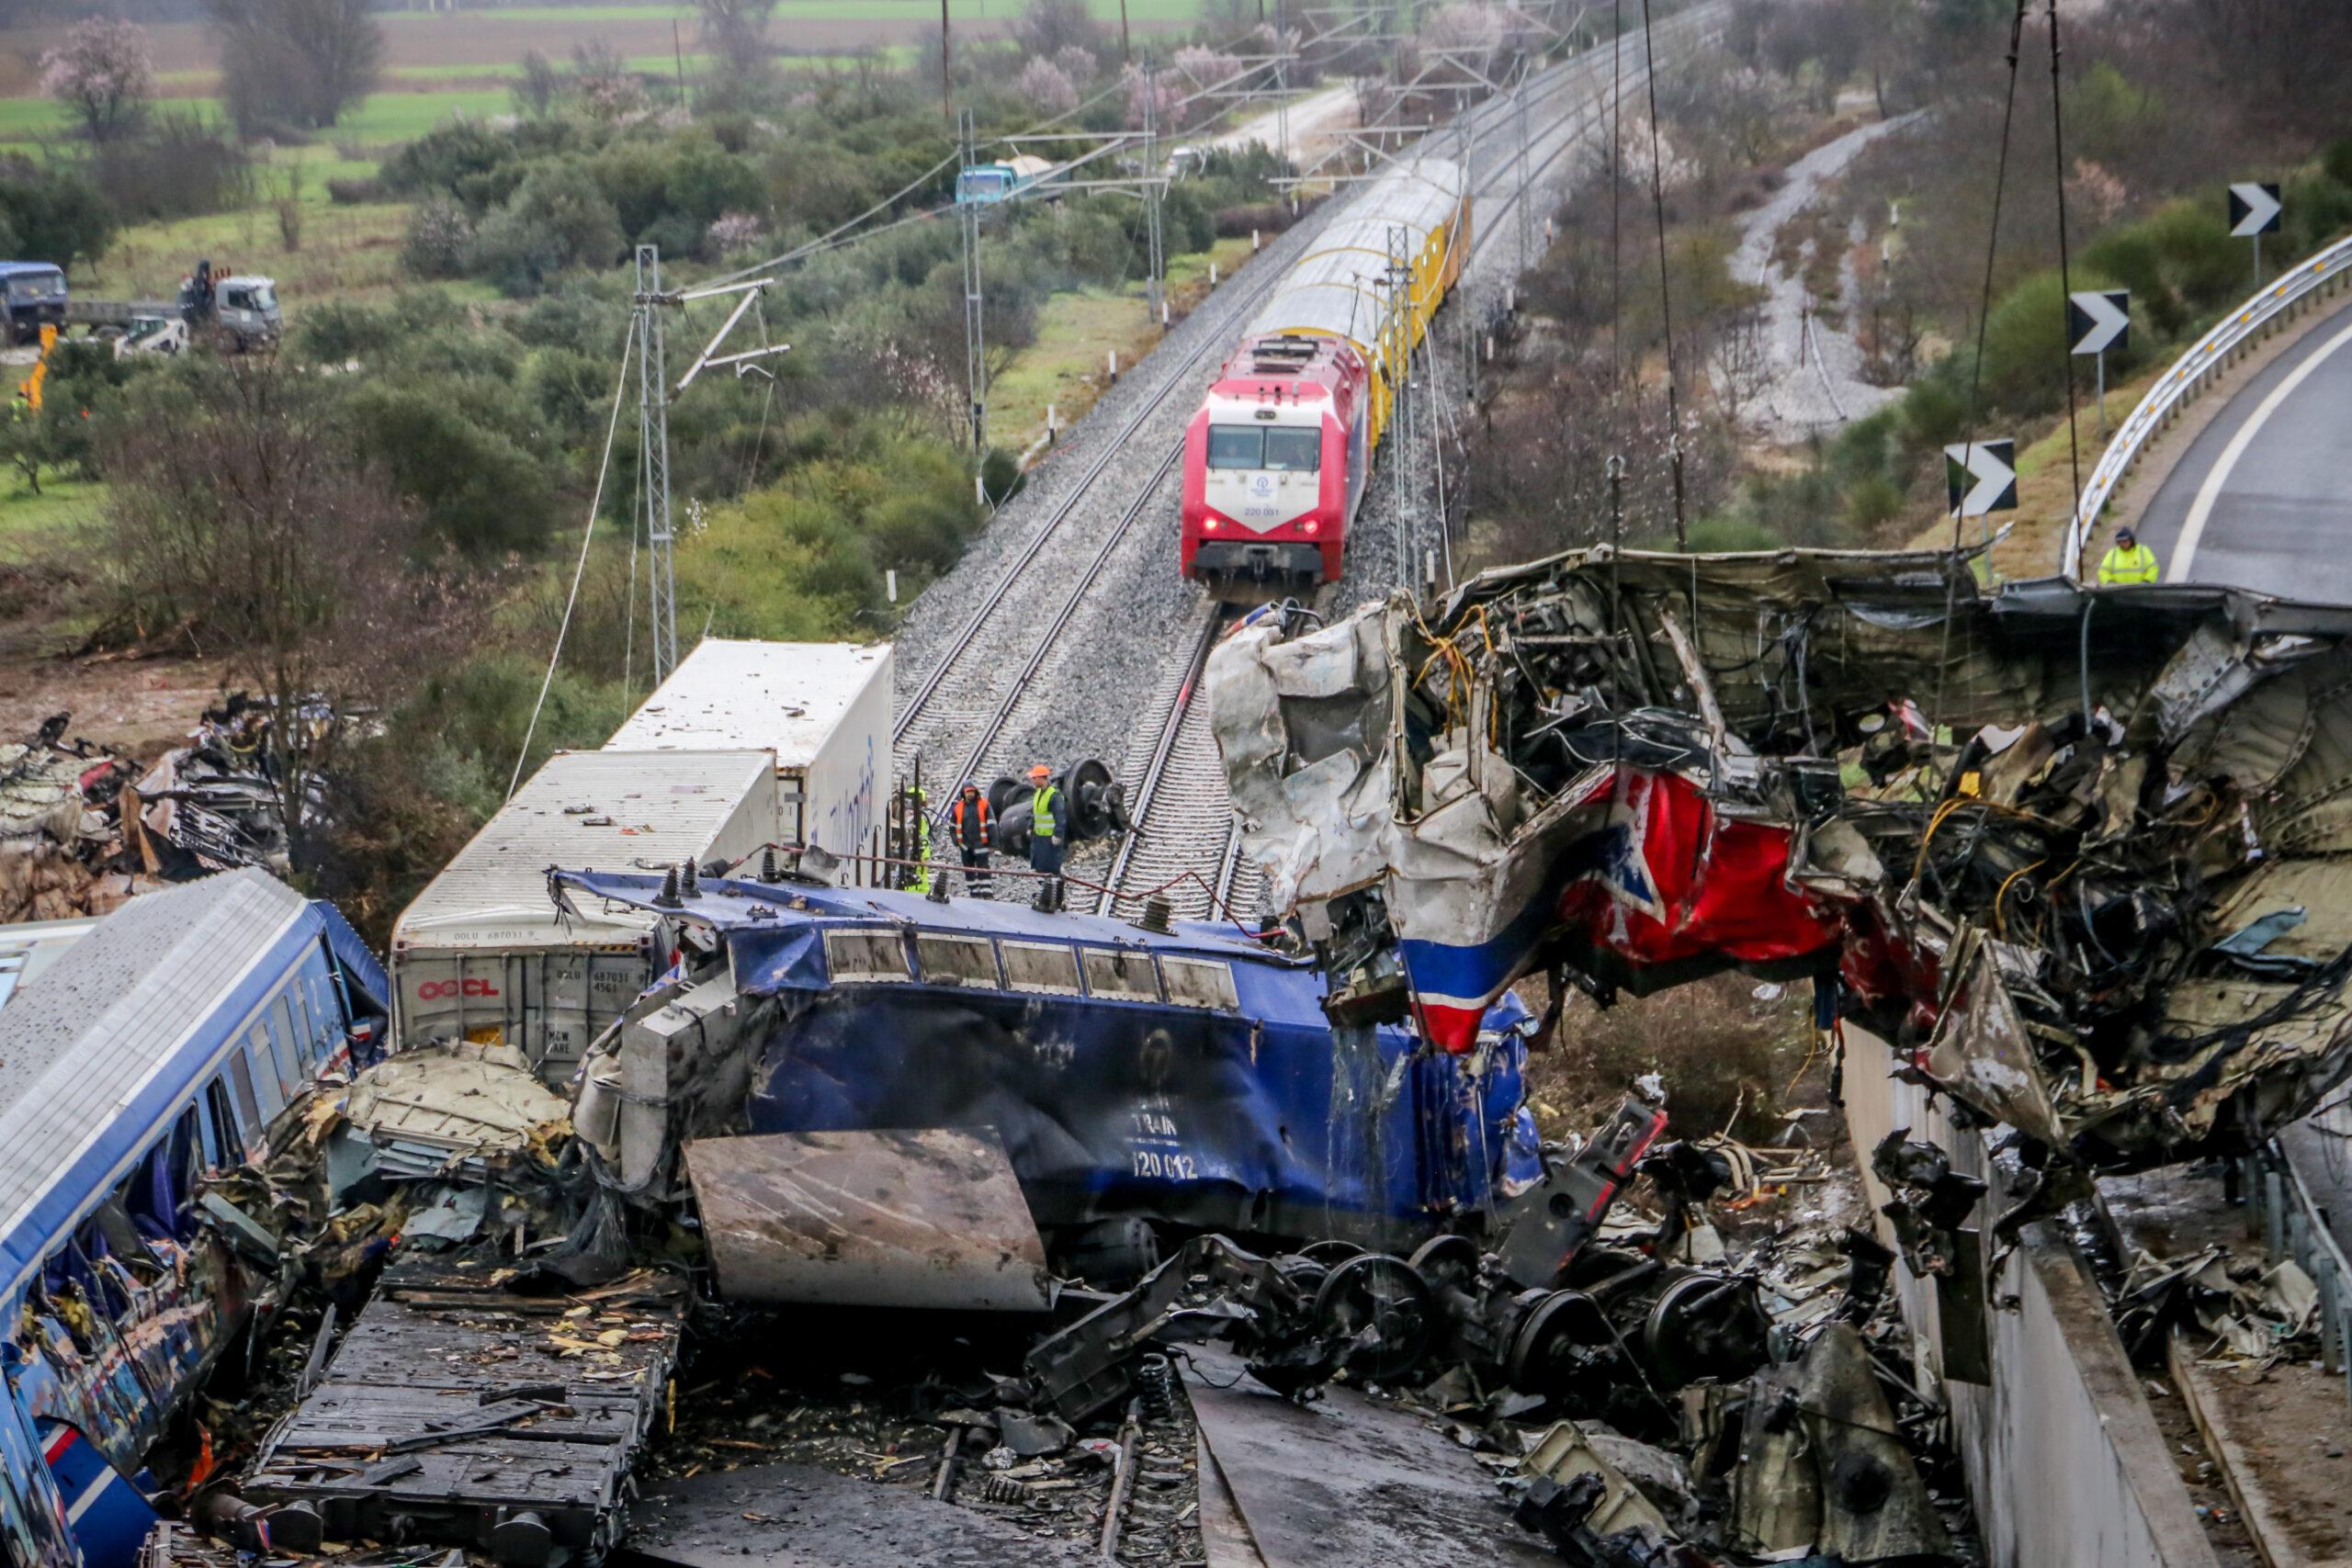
<point>1119,964</point>
<point>869,941</point>
<point>241,1080</point>
<point>221,1135</point>
<point>1061,951</point>
<point>1176,971</point>
<point>978,947</point>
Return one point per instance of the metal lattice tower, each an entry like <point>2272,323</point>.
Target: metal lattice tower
<point>975,371</point>
<point>653,460</point>
<point>1399,280</point>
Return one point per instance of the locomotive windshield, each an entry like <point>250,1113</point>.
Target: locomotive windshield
<point>1236,446</point>
<point>1294,450</point>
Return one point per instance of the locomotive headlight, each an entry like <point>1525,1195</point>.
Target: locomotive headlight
<point>1314,525</point>
<point>1208,524</point>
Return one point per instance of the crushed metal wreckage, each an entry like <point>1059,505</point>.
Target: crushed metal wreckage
<point>123,828</point>
<point>2076,854</point>
<point>593,1315</point>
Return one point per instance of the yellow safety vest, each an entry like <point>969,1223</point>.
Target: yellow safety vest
<point>1041,812</point>
<point>2137,564</point>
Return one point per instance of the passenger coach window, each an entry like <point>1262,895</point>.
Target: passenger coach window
<point>1200,983</point>
<point>956,960</point>
<point>866,955</point>
<point>1236,446</point>
<point>1041,967</point>
<point>1294,450</point>
<point>1120,976</point>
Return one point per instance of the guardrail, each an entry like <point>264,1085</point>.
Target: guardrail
<point>2292,1226</point>
<point>2196,371</point>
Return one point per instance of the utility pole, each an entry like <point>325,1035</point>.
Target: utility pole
<point>976,370</point>
<point>1399,333</point>
<point>1151,183</point>
<point>653,460</point>
<point>1126,46</point>
<point>947,76</point>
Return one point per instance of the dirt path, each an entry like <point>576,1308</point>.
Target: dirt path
<point>1813,371</point>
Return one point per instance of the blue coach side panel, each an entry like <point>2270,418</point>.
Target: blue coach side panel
<point>158,1046</point>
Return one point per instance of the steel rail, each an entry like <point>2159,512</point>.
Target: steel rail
<point>1184,707</point>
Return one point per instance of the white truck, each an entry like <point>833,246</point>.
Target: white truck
<point>480,954</point>
<point>822,707</point>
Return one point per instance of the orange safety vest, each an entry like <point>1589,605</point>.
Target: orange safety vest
<point>957,816</point>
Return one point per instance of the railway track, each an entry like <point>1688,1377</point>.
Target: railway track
<point>1188,847</point>
<point>996,671</point>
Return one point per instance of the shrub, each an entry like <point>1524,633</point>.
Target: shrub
<point>439,239</point>
<point>181,166</point>
<point>55,214</point>
<point>480,490</point>
<point>352,192</point>
<point>558,217</point>
<point>1000,476</point>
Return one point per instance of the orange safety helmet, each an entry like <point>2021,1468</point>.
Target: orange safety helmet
<point>1041,772</point>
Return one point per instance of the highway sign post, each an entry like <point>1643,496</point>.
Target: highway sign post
<point>2097,321</point>
<point>2254,212</point>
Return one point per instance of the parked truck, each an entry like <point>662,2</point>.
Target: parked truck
<point>239,309</point>
<point>32,295</point>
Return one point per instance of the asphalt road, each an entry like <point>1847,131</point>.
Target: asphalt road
<point>2263,497</point>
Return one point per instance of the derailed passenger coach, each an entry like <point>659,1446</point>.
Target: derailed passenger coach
<point>154,1054</point>
<point>1187,1075</point>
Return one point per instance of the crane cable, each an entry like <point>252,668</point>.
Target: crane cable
<point>1984,315</point>
<point>2065,271</point>
<point>1665,292</point>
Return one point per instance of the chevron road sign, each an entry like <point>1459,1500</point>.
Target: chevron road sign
<point>2253,210</point>
<point>1981,477</point>
<point>2099,319</point>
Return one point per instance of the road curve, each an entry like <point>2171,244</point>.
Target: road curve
<point>2262,497</point>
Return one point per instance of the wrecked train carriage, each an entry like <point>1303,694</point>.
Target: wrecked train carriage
<point>161,1050</point>
<point>1186,1077</point>
<point>1634,768</point>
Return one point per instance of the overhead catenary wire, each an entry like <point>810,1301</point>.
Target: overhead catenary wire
<point>1983,314</point>
<point>580,568</point>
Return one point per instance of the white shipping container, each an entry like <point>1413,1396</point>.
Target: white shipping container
<point>822,707</point>
<point>480,954</point>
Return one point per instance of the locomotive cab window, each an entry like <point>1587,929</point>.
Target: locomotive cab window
<point>956,960</point>
<point>1295,449</point>
<point>1236,446</point>
<point>1118,974</point>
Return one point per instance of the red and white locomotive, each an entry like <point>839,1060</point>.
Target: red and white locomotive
<point>1276,460</point>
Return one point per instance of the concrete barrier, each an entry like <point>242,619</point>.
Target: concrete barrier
<point>2065,1459</point>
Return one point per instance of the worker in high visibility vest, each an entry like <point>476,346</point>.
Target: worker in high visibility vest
<point>973,827</point>
<point>2128,561</point>
<point>1045,833</point>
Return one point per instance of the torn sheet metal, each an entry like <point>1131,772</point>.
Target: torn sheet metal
<point>1345,1479</point>
<point>932,1218</point>
<point>1632,768</point>
<point>442,1111</point>
<point>1188,1076</point>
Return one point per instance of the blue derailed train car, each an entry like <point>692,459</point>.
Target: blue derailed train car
<point>1186,1075</point>
<point>158,1048</point>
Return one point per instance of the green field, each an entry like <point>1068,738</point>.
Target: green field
<point>837,11</point>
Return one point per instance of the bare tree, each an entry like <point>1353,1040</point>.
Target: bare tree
<point>736,34</point>
<point>295,63</point>
<point>244,521</point>
<point>105,72</point>
<point>1738,362</point>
